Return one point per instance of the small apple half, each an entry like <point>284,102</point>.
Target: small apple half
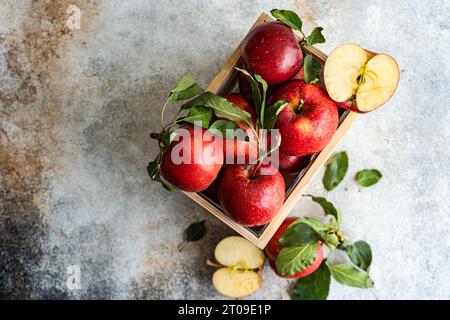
<point>240,263</point>
<point>360,80</point>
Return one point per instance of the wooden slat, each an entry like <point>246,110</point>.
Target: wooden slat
<point>223,81</point>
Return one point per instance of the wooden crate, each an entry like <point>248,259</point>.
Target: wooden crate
<point>222,84</point>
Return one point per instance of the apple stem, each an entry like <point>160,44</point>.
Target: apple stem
<point>182,245</point>
<point>350,186</point>
<point>213,264</point>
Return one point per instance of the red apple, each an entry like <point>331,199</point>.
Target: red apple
<point>272,51</point>
<point>310,120</point>
<point>300,75</point>
<point>292,164</point>
<point>251,197</point>
<point>273,249</point>
<point>202,166</point>
<point>245,150</point>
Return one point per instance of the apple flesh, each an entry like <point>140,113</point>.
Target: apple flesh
<point>359,80</point>
<point>310,120</point>
<point>250,197</point>
<point>272,51</point>
<point>204,164</point>
<point>241,262</point>
<point>273,248</point>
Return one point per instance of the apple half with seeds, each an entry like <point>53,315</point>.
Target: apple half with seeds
<point>240,263</point>
<point>360,80</point>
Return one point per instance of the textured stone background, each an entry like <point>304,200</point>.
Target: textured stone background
<point>76,108</point>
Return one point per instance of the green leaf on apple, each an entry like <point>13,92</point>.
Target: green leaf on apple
<point>222,107</point>
<point>313,287</point>
<point>272,112</point>
<point>224,128</point>
<point>256,93</point>
<point>368,177</point>
<point>326,231</point>
<point>360,254</point>
<point>186,88</point>
<point>327,207</point>
<point>264,87</point>
<point>294,259</point>
<point>288,17</point>
<point>350,276</point>
<point>316,36</point>
<point>312,69</point>
<point>153,169</point>
<point>298,234</point>
<point>335,171</point>
<point>167,138</point>
<point>199,115</point>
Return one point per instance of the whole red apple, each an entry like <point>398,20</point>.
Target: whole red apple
<point>249,196</point>
<point>273,249</point>
<point>202,165</point>
<point>272,51</point>
<point>310,120</point>
<point>292,164</point>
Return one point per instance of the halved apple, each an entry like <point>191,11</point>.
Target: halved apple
<point>240,263</point>
<point>360,80</point>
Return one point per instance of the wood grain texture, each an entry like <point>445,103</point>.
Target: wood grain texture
<point>222,83</point>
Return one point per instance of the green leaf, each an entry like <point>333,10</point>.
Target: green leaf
<point>335,171</point>
<point>360,254</point>
<point>153,169</point>
<point>326,231</point>
<point>256,93</point>
<point>368,177</point>
<point>350,276</point>
<point>312,69</point>
<point>168,137</point>
<point>316,36</point>
<point>327,207</point>
<point>195,231</point>
<point>298,234</point>
<point>313,287</point>
<point>264,87</point>
<point>221,107</point>
<point>154,172</point>
<point>186,94</point>
<point>288,17</point>
<point>272,113</point>
<point>226,129</point>
<point>199,114</point>
<point>292,260</point>
<point>184,83</point>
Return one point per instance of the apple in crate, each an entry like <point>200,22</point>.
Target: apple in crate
<point>240,263</point>
<point>308,122</point>
<point>290,165</point>
<point>245,150</point>
<point>251,195</point>
<point>273,248</point>
<point>203,166</point>
<point>360,80</point>
<point>272,51</point>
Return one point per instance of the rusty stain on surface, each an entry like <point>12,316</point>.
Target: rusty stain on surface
<point>30,100</point>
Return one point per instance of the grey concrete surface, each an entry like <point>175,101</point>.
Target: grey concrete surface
<point>76,108</point>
